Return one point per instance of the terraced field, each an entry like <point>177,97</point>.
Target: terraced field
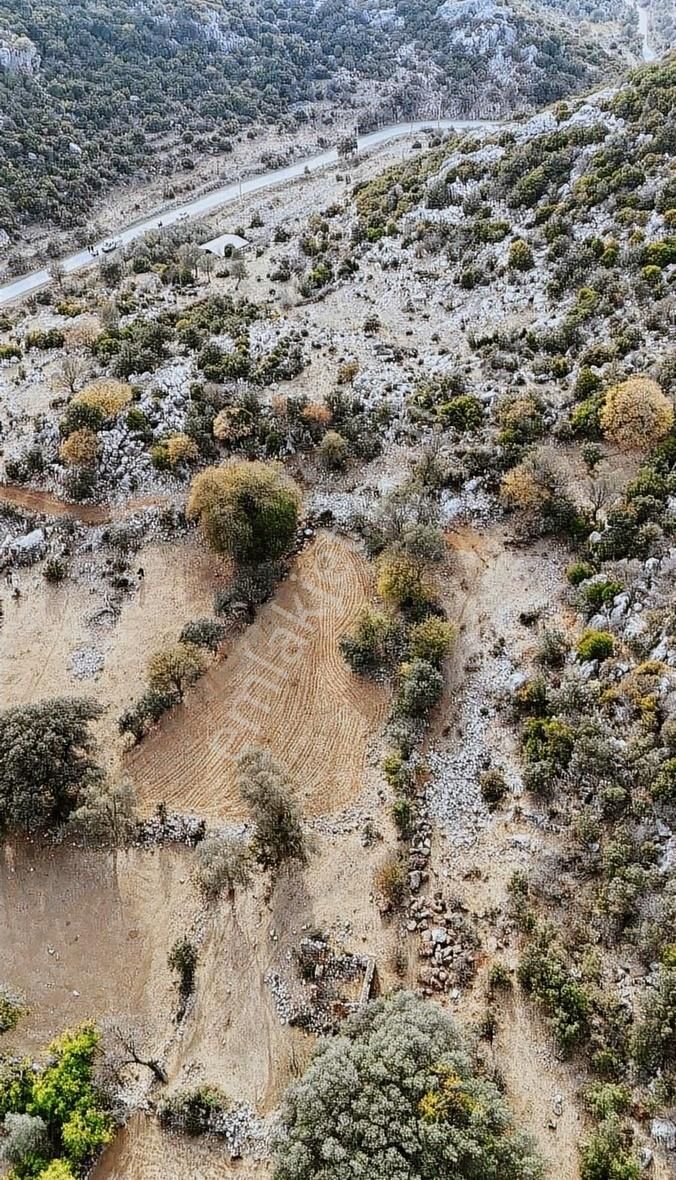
<point>283,685</point>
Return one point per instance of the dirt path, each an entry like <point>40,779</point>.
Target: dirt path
<point>48,504</point>
<point>285,685</point>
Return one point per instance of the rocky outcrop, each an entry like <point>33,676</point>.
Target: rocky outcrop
<point>18,55</point>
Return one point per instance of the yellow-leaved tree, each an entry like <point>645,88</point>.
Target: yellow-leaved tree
<point>636,414</point>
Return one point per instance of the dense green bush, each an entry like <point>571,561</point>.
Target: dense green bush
<point>148,710</point>
<point>654,1042</point>
<point>193,1112</point>
<point>419,689</point>
<point>207,633</point>
<point>521,256</point>
<point>47,757</point>
<point>461,413</point>
<point>595,645</point>
<point>63,1097</point>
<point>607,1155</point>
<point>543,973</point>
<point>374,643</point>
<point>664,783</point>
<point>182,959</point>
<point>249,510</point>
<point>11,1010</point>
<point>493,787</point>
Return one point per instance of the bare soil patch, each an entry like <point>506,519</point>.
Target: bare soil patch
<point>283,685</point>
<point>47,624</point>
<point>143,1151</point>
<point>85,936</point>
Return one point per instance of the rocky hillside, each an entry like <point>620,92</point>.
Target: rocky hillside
<point>120,83</point>
<point>465,362</point>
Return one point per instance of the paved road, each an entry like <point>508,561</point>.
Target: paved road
<point>643,19</point>
<point>221,196</point>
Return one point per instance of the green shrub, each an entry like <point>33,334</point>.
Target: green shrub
<point>607,1155</point>
<point>159,457</point>
<point>542,972</point>
<point>207,633</point>
<point>461,413</point>
<point>55,570</point>
<point>431,640</point>
<point>11,1011</point>
<point>334,450</point>
<point>403,584</point>
<point>552,648</point>
<point>65,1097</point>
<point>182,960</point>
<point>193,1112</point>
<point>579,571</point>
<point>420,688</point>
<point>264,787</point>
<point>374,643</point>
<point>585,420</point>
<point>548,740</point>
<point>605,1098</point>
<point>654,1041</point>
<point>148,710</point>
<point>390,879</point>
<point>664,784</point>
<point>174,668</point>
<point>493,788</point>
<point>52,338</point>
<point>82,416</point>
<point>595,645</point>
<point>402,815</point>
<point>599,593</point>
<point>499,978</point>
<point>520,256</point>
<point>397,771</point>
<point>587,384</point>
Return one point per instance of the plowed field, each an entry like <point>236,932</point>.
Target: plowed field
<point>283,685</point>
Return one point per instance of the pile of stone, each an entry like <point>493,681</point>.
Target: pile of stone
<point>419,855</point>
<point>282,997</point>
<point>448,944</point>
<point>170,828</point>
<point>86,663</point>
<point>244,1133</point>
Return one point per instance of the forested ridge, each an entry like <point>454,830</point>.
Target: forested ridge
<point>88,92</point>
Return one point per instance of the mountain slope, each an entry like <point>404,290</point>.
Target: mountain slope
<point>92,93</point>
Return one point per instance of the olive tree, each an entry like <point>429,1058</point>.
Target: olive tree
<point>394,1098</point>
<point>222,863</point>
<point>265,790</point>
